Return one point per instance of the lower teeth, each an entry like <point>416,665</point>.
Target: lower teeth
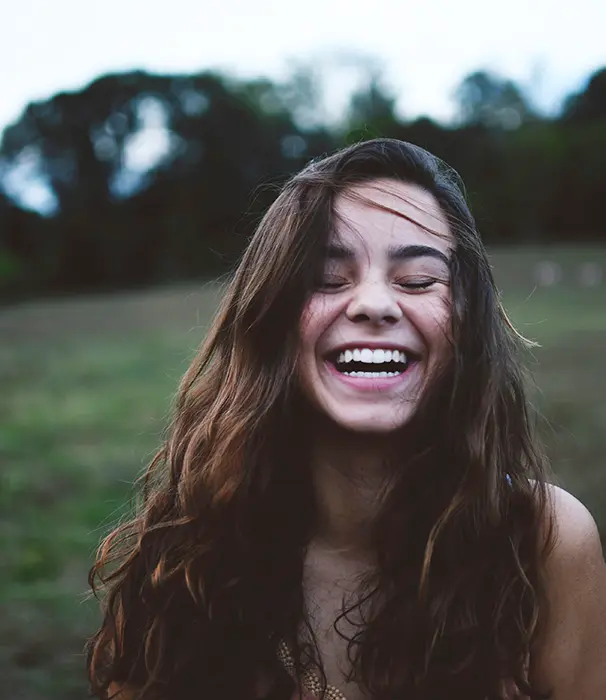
<point>371,374</point>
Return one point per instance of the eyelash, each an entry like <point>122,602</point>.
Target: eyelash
<point>332,285</point>
<point>418,285</point>
<point>425,284</point>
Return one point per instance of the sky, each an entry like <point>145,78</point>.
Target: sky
<point>424,47</point>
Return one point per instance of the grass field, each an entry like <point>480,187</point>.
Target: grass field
<point>86,386</point>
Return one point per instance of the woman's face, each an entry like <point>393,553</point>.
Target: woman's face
<point>378,323</point>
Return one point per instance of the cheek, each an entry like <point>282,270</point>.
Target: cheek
<point>307,325</point>
<point>434,320</point>
<point>309,333</point>
<point>316,318</point>
<point>442,335</point>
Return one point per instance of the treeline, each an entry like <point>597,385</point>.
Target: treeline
<point>148,178</point>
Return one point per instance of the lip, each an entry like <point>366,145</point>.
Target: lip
<point>375,384</point>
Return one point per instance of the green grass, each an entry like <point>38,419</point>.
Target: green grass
<point>86,387</point>
<point>569,322</point>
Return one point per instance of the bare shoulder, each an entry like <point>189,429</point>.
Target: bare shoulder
<point>576,535</point>
<point>571,654</point>
<point>575,566</point>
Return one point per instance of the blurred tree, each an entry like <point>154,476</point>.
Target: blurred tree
<point>27,263</point>
<point>79,142</point>
<point>79,138</point>
<point>214,142</point>
<point>302,95</point>
<point>371,110</point>
<point>164,177</point>
<point>590,103</point>
<point>581,185</point>
<point>243,136</point>
<point>11,237</point>
<point>576,211</point>
<point>485,99</point>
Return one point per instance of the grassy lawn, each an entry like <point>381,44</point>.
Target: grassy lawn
<point>86,389</point>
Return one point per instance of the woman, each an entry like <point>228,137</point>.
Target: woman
<point>351,499</point>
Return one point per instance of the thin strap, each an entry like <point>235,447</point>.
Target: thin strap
<point>310,681</point>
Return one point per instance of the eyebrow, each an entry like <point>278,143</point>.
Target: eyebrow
<point>338,251</point>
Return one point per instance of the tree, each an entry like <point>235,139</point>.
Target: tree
<point>79,139</point>
<point>371,109</point>
<point>223,138</point>
<point>590,103</point>
<point>484,99</point>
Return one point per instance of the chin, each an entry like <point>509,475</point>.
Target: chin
<point>370,425</point>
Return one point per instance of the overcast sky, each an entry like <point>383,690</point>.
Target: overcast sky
<point>425,46</point>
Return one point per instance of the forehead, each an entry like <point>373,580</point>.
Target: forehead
<point>386,212</point>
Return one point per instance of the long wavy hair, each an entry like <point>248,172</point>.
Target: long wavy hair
<point>204,583</point>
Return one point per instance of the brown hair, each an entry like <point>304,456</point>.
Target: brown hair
<point>204,583</point>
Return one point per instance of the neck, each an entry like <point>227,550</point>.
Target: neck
<point>349,475</point>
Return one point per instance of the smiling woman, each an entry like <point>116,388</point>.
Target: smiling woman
<point>385,288</point>
<point>351,501</point>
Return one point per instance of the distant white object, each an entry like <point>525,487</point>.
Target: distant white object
<point>591,274</point>
<point>547,273</point>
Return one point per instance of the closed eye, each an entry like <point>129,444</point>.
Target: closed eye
<point>332,283</point>
<point>418,284</point>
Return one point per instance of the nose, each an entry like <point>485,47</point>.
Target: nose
<point>375,303</point>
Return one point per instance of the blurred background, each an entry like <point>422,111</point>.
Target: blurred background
<point>139,148</point>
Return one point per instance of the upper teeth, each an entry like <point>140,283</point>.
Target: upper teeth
<point>372,356</point>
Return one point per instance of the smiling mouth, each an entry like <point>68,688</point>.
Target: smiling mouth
<point>366,363</point>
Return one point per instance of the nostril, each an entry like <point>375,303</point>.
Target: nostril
<point>365,318</point>
<point>374,312</point>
